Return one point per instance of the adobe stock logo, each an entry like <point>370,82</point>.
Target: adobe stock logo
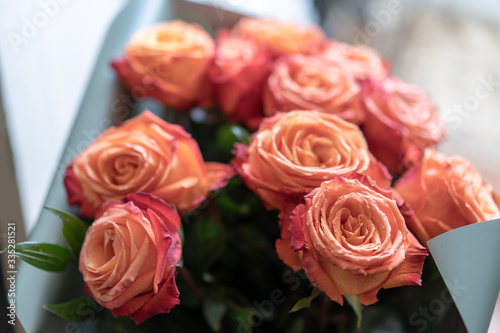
<point>31,26</point>
<point>380,19</point>
<point>455,116</point>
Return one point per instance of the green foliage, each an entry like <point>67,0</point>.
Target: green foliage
<point>357,307</point>
<point>227,135</point>
<point>78,309</point>
<point>73,230</point>
<point>49,257</point>
<point>204,243</point>
<point>306,301</point>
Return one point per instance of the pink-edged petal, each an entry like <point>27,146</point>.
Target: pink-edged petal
<point>74,193</point>
<point>161,302</point>
<point>409,272</point>
<point>218,175</point>
<point>319,277</point>
<point>132,305</point>
<point>369,297</point>
<point>289,257</point>
<point>295,228</point>
<point>164,211</point>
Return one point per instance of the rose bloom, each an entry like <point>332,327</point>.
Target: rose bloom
<point>362,61</point>
<point>293,153</point>
<point>280,37</point>
<point>238,75</point>
<point>353,240</point>
<point>398,116</point>
<point>129,255</point>
<point>168,61</point>
<point>300,82</point>
<point>444,193</point>
<point>145,154</point>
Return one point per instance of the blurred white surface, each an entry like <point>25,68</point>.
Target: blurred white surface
<point>47,50</point>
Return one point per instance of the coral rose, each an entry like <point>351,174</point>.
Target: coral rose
<point>144,154</point>
<point>354,240</point>
<point>169,61</point>
<point>444,193</point>
<point>293,153</point>
<point>280,37</point>
<point>398,116</point>
<point>362,61</point>
<point>238,75</point>
<point>129,255</point>
<point>300,82</point>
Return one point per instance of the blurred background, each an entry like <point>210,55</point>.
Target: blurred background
<point>451,49</point>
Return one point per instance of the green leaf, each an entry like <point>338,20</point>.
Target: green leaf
<point>306,301</point>
<point>73,230</point>
<point>78,309</point>
<point>357,307</point>
<point>214,312</point>
<point>228,135</point>
<point>205,240</point>
<point>49,257</point>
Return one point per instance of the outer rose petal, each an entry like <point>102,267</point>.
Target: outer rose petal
<point>410,271</point>
<point>164,215</point>
<point>75,194</point>
<point>319,277</point>
<point>218,175</point>
<point>286,247</point>
<point>162,302</point>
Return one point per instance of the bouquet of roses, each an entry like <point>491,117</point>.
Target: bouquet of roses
<point>324,187</point>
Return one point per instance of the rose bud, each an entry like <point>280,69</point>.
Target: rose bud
<point>144,154</point>
<point>169,62</point>
<point>238,74</point>
<point>300,82</point>
<point>293,153</point>
<point>362,61</point>
<point>280,37</point>
<point>398,116</point>
<point>353,240</point>
<point>444,193</point>
<point>129,255</point>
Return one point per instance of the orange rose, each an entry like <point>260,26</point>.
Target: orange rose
<point>293,153</point>
<point>300,82</point>
<point>145,154</point>
<point>398,116</point>
<point>354,241</point>
<point>280,37</point>
<point>238,74</point>
<point>444,193</point>
<point>168,61</point>
<point>362,61</point>
<point>129,255</point>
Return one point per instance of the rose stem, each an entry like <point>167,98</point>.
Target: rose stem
<point>186,276</point>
